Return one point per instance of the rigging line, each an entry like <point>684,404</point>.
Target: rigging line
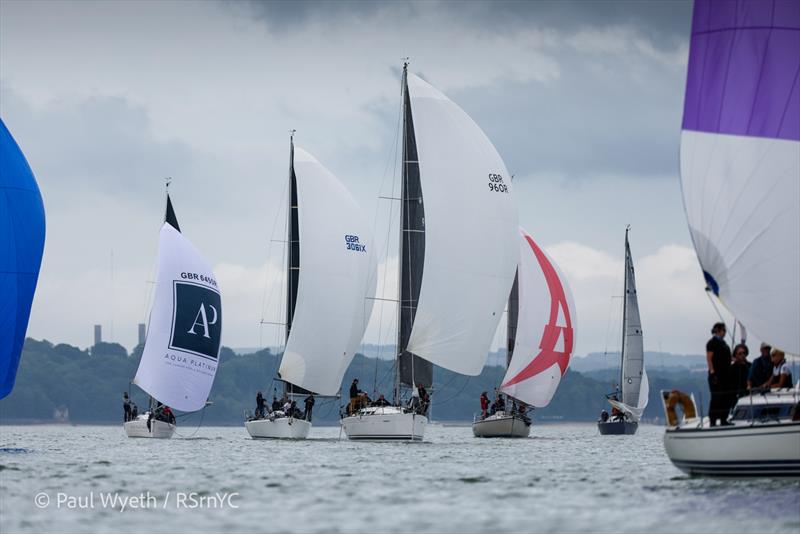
<point>452,398</point>
<point>393,162</point>
<point>711,300</point>
<point>196,430</point>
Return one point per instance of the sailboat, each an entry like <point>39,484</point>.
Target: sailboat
<point>540,338</point>
<point>181,350</point>
<point>634,387</point>
<point>330,283</point>
<point>740,178</point>
<point>458,253</point>
<point>22,229</point>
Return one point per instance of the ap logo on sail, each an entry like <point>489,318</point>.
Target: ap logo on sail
<point>197,320</point>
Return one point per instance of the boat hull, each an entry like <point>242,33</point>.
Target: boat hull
<point>385,424</point>
<point>279,428</point>
<point>158,429</point>
<point>617,428</point>
<point>737,450</point>
<point>503,426</point>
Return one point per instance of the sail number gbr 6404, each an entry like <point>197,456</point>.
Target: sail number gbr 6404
<point>496,183</point>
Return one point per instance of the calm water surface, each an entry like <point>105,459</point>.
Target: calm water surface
<point>564,478</point>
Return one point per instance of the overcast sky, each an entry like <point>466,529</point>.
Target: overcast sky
<point>583,100</point>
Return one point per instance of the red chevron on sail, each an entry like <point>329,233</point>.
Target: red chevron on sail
<point>548,354</point>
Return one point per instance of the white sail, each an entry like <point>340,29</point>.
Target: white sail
<point>185,329</point>
<point>546,327</point>
<point>632,373</point>
<point>470,234</point>
<point>336,280</point>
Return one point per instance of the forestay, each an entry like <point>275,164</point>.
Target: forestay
<point>22,229</point>
<point>740,160</point>
<point>336,281</point>
<point>470,234</point>
<point>545,333</point>
<point>181,351</point>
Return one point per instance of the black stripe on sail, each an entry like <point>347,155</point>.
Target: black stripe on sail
<point>413,369</point>
<point>170,217</point>
<point>293,257</point>
<point>512,319</point>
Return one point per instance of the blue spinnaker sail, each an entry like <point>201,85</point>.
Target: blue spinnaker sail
<point>22,230</point>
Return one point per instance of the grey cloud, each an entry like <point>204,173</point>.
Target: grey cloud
<point>102,143</point>
<point>666,21</point>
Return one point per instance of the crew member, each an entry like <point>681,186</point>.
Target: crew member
<point>718,358</point>
<point>309,402</point>
<point>261,406</point>
<point>126,406</point>
<point>484,404</point>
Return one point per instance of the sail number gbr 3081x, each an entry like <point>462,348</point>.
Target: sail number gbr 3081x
<point>496,183</point>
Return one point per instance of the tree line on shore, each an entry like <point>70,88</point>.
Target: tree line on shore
<point>87,386</point>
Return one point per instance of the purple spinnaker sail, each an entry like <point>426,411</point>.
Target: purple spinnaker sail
<point>740,160</point>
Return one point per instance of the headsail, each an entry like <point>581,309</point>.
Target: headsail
<point>545,327</point>
<point>634,384</point>
<point>413,370</point>
<point>22,229</point>
<point>470,228</point>
<point>181,351</point>
<point>740,160</point>
<point>335,280</point>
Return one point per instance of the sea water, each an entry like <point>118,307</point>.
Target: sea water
<point>565,478</point>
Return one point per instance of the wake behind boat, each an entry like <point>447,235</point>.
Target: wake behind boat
<point>329,275</point>
<point>630,399</point>
<point>740,148</point>
<point>539,343</point>
<point>456,210</point>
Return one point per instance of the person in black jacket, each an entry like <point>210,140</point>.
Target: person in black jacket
<point>740,370</point>
<point>309,402</point>
<point>261,406</point>
<point>718,358</point>
<point>354,392</point>
<point>126,406</point>
<point>276,404</point>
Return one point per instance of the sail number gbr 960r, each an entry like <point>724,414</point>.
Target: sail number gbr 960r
<point>496,183</point>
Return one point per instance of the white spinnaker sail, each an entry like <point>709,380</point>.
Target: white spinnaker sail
<point>181,352</point>
<point>740,161</point>
<point>470,234</point>
<point>336,283</point>
<point>545,336</point>
<point>632,341</point>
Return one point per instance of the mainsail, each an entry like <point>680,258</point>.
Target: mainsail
<point>633,378</point>
<point>467,247</point>
<point>22,229</point>
<point>334,281</point>
<point>543,317</point>
<point>181,351</point>
<point>740,160</point>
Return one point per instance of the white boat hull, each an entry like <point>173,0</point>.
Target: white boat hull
<point>387,423</point>
<point>737,450</point>
<point>501,426</point>
<point>158,429</point>
<point>278,428</point>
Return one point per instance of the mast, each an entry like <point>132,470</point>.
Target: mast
<point>624,317</point>
<point>293,251</point>
<point>411,370</point>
